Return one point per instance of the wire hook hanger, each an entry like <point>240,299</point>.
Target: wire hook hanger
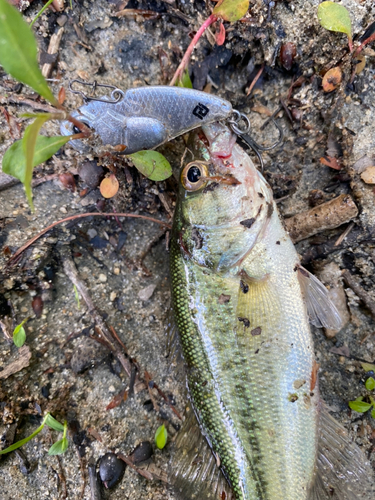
<point>117,95</point>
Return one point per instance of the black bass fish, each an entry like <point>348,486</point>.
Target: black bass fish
<point>242,303</point>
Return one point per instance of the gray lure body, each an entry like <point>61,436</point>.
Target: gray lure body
<point>148,116</point>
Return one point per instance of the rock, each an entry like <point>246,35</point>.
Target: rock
<point>91,173</point>
<point>146,293</point>
<point>368,175</point>
<point>102,278</point>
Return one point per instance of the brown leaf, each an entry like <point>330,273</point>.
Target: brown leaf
<point>331,162</point>
<point>118,399</point>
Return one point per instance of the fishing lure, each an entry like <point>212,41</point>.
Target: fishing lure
<point>146,117</point>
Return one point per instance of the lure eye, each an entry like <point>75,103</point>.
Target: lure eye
<point>194,176</point>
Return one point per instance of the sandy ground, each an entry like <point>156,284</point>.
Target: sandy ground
<point>133,51</point>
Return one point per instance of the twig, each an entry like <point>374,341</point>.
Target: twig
<point>53,48</point>
<point>342,237</point>
<point>359,291</point>
<point>328,215</point>
<point>94,483</point>
<point>7,335</point>
<point>185,60</point>
<point>72,273</point>
<point>256,78</point>
<point>23,360</point>
<point>14,258</point>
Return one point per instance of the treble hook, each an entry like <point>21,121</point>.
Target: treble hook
<point>117,95</point>
<point>243,133</point>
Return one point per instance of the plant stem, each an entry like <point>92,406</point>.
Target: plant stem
<point>41,12</point>
<point>185,60</point>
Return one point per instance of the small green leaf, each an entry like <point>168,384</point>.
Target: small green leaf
<point>23,441</point>
<point>335,17</point>
<point>185,80</point>
<point>231,10</point>
<point>53,423</point>
<point>373,413</point>
<point>19,334</point>
<point>18,51</point>
<point>59,447</point>
<point>152,165</point>
<point>359,406</point>
<point>370,384</point>
<point>161,437</point>
<point>14,160</point>
<point>28,143</point>
<point>76,294</point>
<point>368,367</point>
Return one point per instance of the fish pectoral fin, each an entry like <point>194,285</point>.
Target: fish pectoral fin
<point>258,310</point>
<point>342,470</point>
<point>321,310</point>
<point>194,472</point>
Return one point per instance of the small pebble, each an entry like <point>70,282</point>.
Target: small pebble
<point>368,175</point>
<point>91,233</point>
<point>102,278</point>
<point>113,296</point>
<point>146,293</point>
<point>63,210</point>
<point>116,270</point>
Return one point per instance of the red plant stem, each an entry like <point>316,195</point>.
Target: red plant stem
<point>14,257</point>
<point>185,60</point>
<point>363,44</point>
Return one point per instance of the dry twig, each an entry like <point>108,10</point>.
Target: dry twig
<point>359,291</point>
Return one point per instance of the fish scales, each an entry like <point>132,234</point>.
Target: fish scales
<point>243,386</point>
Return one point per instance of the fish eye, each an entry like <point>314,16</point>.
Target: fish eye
<point>194,176</point>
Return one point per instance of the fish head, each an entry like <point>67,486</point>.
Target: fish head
<point>224,201</point>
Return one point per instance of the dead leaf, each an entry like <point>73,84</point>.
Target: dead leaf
<point>331,162</point>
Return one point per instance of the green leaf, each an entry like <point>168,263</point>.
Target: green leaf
<point>28,144</point>
<point>14,159</point>
<point>359,406</point>
<point>19,334</point>
<point>152,165</point>
<point>368,367</point>
<point>370,384</point>
<point>76,294</point>
<point>161,437</point>
<point>18,51</point>
<point>59,447</point>
<point>335,17</point>
<point>53,423</point>
<point>22,442</point>
<point>185,80</point>
<point>231,10</point>
<point>373,413</point>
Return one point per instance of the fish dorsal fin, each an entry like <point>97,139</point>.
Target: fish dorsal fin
<point>194,472</point>
<point>343,472</point>
<point>322,312</point>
